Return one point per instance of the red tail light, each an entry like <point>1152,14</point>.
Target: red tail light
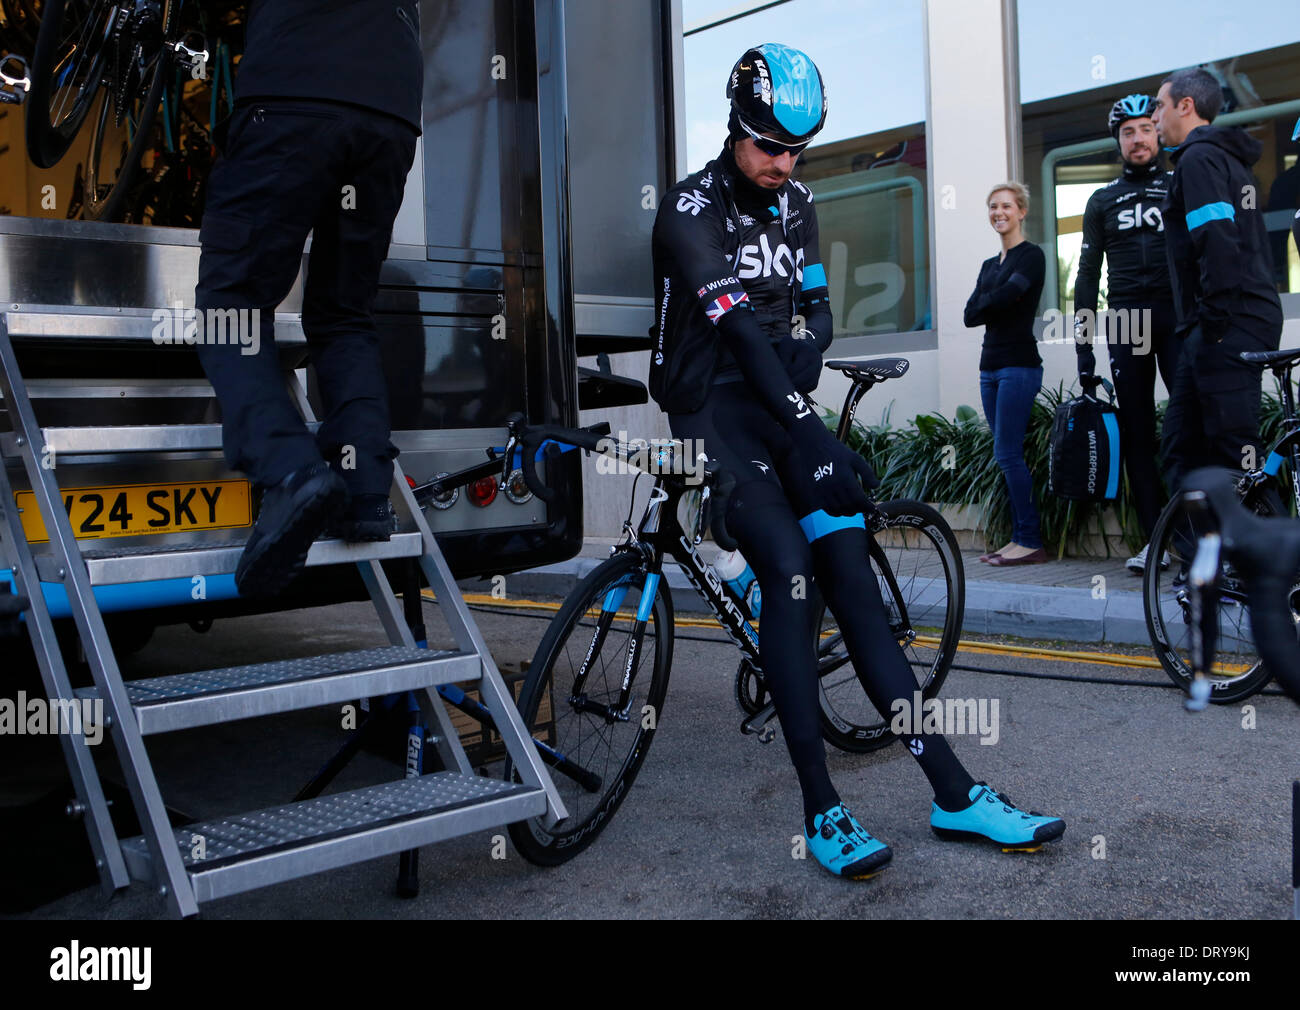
<point>482,492</point>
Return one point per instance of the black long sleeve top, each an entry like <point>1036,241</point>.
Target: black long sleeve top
<point>1005,302</point>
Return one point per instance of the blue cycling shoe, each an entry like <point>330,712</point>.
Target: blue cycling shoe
<point>993,817</point>
<point>844,846</point>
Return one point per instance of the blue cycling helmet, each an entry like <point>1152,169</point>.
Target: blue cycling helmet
<point>776,90</point>
<point>1128,107</point>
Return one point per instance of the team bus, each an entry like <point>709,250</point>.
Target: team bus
<point>521,249</point>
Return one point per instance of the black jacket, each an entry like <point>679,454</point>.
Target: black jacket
<point>364,52</point>
<point>1219,260</point>
<point>1005,303</point>
<point>1123,223</point>
<point>701,261</point>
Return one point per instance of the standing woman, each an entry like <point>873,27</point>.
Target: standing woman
<point>1005,302</point>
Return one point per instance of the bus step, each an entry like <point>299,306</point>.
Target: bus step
<point>202,698</point>
<point>114,439</point>
<point>245,851</point>
<point>148,562</point>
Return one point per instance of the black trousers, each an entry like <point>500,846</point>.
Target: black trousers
<point>1213,413</point>
<point>1133,371</point>
<point>290,167</point>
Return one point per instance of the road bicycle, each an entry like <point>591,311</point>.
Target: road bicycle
<point>1265,555</point>
<point>601,670</point>
<point>1238,670</point>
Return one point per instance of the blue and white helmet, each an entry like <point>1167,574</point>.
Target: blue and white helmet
<point>1128,107</point>
<point>777,90</point>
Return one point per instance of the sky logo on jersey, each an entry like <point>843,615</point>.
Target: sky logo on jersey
<point>725,303</point>
<point>762,261</point>
<point>1137,217</point>
<point>692,202</point>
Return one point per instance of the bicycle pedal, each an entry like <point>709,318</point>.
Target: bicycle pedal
<point>766,735</point>
<point>1022,848</point>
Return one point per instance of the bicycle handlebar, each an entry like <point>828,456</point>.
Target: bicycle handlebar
<point>1267,553</point>
<point>528,439</point>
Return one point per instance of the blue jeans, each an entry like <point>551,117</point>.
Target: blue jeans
<point>1008,395</point>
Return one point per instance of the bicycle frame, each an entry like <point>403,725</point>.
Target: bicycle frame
<point>659,534</point>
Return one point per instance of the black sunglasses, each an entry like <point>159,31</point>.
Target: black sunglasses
<point>772,148</point>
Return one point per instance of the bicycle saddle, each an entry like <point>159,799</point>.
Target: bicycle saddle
<point>875,370</point>
<point>1286,356</point>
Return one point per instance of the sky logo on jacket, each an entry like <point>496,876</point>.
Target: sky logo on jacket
<point>1137,216</point>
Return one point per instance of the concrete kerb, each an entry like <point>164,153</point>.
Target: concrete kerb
<point>1023,610</point>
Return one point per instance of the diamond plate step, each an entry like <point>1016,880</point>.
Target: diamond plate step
<point>234,854</point>
<point>186,700</point>
<point>148,562</point>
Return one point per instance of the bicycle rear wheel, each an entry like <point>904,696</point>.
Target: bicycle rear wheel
<point>67,68</point>
<point>570,700</point>
<point>924,589</point>
<point>1238,671</point>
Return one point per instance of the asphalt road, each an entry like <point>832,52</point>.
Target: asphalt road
<point>1192,810</point>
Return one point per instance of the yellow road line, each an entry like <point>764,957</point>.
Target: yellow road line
<point>984,648</point>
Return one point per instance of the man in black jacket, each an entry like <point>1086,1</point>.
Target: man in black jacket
<point>1222,278</point>
<point>1122,224</point>
<point>322,138</point>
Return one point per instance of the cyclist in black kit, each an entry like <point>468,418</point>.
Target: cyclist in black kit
<point>736,258</point>
<point>1123,223</point>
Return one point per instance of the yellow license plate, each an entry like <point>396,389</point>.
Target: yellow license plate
<point>143,509</point>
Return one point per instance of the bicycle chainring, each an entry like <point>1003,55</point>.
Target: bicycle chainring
<point>751,689</point>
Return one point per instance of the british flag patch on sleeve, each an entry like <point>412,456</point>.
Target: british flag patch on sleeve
<point>718,308</point>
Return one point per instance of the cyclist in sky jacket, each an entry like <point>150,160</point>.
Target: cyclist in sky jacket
<point>1122,223</point>
<point>743,317</point>
<point>1222,275</point>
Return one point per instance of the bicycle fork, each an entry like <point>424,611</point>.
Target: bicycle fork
<point>610,607</point>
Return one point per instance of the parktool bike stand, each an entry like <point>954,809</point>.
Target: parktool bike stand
<point>245,851</point>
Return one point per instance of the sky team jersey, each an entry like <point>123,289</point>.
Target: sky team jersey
<point>716,251</point>
<point>1124,222</point>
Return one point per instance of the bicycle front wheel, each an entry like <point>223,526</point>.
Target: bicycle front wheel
<point>615,627</point>
<point>1238,671</point>
<point>923,585</point>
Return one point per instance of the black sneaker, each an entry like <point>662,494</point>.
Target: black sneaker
<point>293,514</point>
<point>368,517</point>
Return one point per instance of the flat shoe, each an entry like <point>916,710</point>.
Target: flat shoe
<point>1036,558</point>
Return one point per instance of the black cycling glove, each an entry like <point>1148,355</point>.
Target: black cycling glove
<point>831,475</point>
<point>802,361</point>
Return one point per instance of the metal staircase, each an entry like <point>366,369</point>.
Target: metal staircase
<point>263,847</point>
